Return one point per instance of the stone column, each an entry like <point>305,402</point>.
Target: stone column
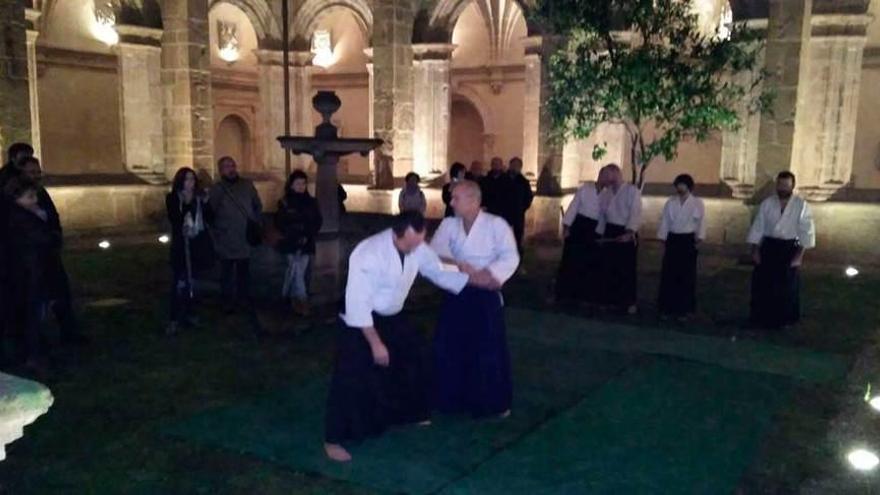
<point>141,101</point>
<point>392,90</point>
<point>15,118</point>
<point>371,124</point>
<point>825,123</point>
<point>271,110</point>
<point>739,148</point>
<point>432,102</point>
<point>33,32</point>
<point>541,157</point>
<point>301,123</point>
<point>186,80</point>
<point>788,29</point>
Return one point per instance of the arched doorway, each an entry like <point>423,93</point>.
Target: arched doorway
<point>466,140</point>
<point>233,139</point>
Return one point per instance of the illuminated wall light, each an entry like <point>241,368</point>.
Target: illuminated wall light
<point>875,403</point>
<point>851,271</point>
<point>104,27</point>
<point>105,244</point>
<point>322,48</point>
<point>164,239</point>
<point>863,460</point>
<point>227,41</point>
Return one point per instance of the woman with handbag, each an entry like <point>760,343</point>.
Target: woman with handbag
<point>191,247</point>
<point>298,220</point>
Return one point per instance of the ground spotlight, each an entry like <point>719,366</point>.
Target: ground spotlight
<point>863,460</point>
<point>851,271</point>
<point>163,239</point>
<point>105,244</point>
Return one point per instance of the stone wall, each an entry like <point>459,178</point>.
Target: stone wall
<point>15,117</point>
<point>126,208</point>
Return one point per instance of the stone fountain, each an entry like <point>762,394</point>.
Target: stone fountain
<point>326,147</point>
<point>21,403</point>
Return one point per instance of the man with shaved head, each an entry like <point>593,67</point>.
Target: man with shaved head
<point>472,364</point>
<point>620,214</point>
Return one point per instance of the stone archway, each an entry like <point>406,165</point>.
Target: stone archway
<point>262,19</point>
<point>307,18</point>
<point>232,137</point>
<point>469,138</point>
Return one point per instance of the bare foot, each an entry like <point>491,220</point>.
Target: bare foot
<point>505,414</point>
<point>336,452</point>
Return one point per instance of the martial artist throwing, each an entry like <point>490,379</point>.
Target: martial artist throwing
<point>381,375</point>
<point>471,359</point>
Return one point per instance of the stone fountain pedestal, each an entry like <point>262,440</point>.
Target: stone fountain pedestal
<point>21,403</point>
<point>326,147</point>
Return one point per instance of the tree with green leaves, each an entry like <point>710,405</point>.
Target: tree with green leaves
<point>646,65</point>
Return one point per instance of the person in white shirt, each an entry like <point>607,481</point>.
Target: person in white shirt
<point>682,228</point>
<point>471,359</point>
<point>382,370</point>
<point>620,214</point>
<point>781,231</point>
<point>579,270</point>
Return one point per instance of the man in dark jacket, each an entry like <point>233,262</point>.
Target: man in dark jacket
<point>497,189</point>
<point>62,306</point>
<point>36,248</point>
<point>234,202</point>
<point>520,199</point>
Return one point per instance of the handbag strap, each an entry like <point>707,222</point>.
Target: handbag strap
<point>237,203</point>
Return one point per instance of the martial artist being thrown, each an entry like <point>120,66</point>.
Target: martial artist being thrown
<point>381,374</point>
<point>471,360</point>
<point>781,231</point>
<point>682,228</point>
<point>620,213</point>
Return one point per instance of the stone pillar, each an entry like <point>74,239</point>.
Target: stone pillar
<point>739,148</point>
<point>825,123</point>
<point>371,125</point>
<point>301,123</point>
<point>186,80</point>
<point>141,101</point>
<point>788,29</point>
<point>270,113</point>
<point>392,90</point>
<point>541,157</point>
<point>432,102</point>
<point>15,118</point>
<point>33,17</point>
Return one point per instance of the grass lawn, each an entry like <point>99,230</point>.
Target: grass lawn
<point>113,397</point>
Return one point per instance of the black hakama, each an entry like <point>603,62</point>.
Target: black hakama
<point>579,270</point>
<point>618,268</point>
<point>776,285</point>
<point>365,398</point>
<point>471,359</point>
<point>678,279</point>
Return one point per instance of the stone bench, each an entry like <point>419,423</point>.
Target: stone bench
<point>21,403</point>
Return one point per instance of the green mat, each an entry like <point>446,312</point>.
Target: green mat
<point>747,355</point>
<point>669,427</point>
<point>628,423</point>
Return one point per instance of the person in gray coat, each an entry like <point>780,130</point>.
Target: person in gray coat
<point>234,202</point>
